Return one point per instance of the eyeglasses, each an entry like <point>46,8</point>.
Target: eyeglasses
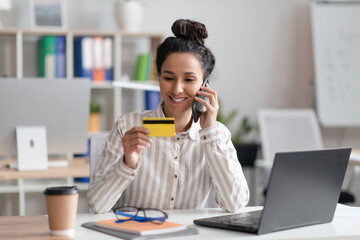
<point>152,215</point>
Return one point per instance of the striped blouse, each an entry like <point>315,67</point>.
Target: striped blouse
<point>173,173</point>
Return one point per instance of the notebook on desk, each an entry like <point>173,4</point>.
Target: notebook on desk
<point>303,189</point>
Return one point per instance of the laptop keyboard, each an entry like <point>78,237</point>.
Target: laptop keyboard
<point>246,221</point>
<point>249,220</point>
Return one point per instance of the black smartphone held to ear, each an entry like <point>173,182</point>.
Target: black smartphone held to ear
<point>197,108</point>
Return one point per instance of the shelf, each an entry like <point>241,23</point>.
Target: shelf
<point>40,185</point>
<point>102,85</point>
<point>137,85</point>
<point>146,86</point>
<point>79,32</point>
<point>142,34</point>
<point>5,31</point>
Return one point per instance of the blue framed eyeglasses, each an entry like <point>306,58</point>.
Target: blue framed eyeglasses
<point>152,215</point>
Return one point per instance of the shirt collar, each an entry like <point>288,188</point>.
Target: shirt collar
<point>194,129</point>
<point>159,113</point>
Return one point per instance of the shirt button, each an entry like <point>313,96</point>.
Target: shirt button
<point>175,175</point>
<point>172,199</point>
<point>178,138</point>
<point>204,137</point>
<point>175,157</point>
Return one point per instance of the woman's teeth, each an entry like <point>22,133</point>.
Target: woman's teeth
<point>177,99</point>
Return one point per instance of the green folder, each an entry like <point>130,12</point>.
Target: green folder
<point>46,56</point>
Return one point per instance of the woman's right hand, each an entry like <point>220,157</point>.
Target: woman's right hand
<point>134,141</point>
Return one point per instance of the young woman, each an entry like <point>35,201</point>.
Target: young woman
<point>172,172</point>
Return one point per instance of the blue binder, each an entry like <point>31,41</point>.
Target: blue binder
<point>83,64</point>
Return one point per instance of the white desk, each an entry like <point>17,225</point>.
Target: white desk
<point>345,226</point>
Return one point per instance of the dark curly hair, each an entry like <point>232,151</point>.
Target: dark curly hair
<point>189,38</point>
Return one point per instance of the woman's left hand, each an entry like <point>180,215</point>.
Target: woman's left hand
<point>208,117</point>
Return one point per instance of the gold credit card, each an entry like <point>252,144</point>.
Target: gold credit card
<point>160,127</point>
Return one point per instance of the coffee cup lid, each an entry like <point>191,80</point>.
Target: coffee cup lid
<point>63,190</point>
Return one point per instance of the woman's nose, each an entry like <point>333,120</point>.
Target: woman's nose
<point>177,87</point>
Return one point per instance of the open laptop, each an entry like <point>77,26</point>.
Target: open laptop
<point>303,189</point>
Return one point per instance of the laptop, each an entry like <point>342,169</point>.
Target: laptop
<point>303,189</point>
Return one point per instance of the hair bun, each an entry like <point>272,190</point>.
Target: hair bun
<point>190,30</point>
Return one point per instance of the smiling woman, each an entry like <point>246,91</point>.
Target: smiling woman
<point>172,172</point>
<point>183,63</point>
<point>180,79</point>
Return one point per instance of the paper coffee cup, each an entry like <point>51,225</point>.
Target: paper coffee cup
<point>61,203</point>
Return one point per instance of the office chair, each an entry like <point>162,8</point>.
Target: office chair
<point>289,130</point>
<point>97,144</point>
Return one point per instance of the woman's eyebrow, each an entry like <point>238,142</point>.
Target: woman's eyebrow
<point>185,73</point>
<point>190,73</point>
<point>168,72</point>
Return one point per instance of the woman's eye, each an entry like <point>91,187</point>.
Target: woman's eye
<point>189,79</point>
<point>168,78</point>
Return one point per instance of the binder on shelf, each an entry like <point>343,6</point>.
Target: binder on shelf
<point>46,57</point>
<point>148,66</point>
<point>60,61</point>
<point>98,59</point>
<point>142,67</point>
<point>108,59</point>
<point>83,61</point>
<point>152,99</point>
<point>137,68</point>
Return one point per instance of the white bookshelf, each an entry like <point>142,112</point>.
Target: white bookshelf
<point>18,54</point>
<point>18,49</point>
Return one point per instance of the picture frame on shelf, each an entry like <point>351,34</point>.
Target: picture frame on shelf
<point>47,14</point>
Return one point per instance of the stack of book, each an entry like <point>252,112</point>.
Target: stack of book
<point>93,58</point>
<point>144,72</point>
<point>140,230</point>
<point>51,58</point>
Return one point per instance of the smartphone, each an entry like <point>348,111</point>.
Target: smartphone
<point>198,108</point>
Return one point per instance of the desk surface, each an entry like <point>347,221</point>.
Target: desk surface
<point>344,226</point>
<point>32,227</point>
<point>354,162</point>
<point>78,167</point>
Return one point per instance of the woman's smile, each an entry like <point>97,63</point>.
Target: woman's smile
<point>177,100</point>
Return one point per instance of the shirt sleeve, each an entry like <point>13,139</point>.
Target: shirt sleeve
<point>111,176</point>
<point>230,186</point>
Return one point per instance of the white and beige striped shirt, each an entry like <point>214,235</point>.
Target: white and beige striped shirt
<point>173,173</point>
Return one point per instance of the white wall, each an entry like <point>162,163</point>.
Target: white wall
<point>263,47</point>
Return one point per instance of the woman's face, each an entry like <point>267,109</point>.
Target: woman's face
<point>180,78</point>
